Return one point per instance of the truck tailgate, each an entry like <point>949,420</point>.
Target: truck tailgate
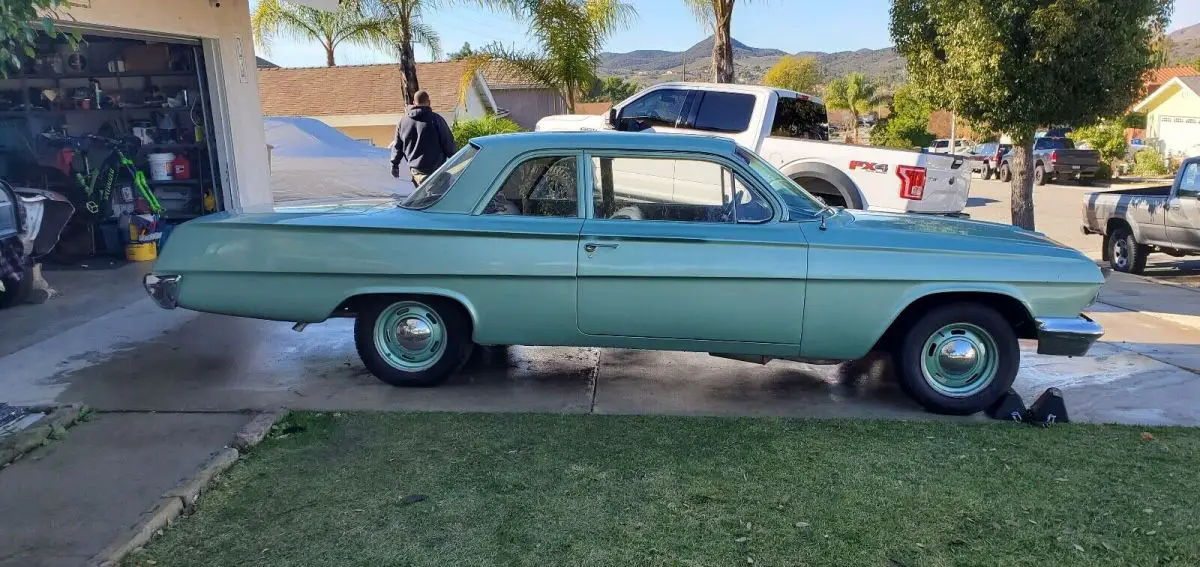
<point>1076,157</point>
<point>947,184</point>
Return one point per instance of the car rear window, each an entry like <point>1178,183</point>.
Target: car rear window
<point>800,118</point>
<point>724,112</point>
<point>436,185</point>
<point>1054,144</point>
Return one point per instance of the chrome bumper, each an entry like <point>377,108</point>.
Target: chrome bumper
<point>164,288</point>
<point>1067,336</point>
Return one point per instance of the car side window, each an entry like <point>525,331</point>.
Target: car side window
<point>1189,182</point>
<point>658,108</point>
<point>724,112</point>
<point>682,190</point>
<point>539,187</point>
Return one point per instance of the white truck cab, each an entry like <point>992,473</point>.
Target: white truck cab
<point>790,130</point>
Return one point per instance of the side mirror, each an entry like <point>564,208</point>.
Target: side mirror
<point>612,117</point>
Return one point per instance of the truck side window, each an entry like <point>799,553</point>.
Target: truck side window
<point>724,112</point>
<point>1189,182</point>
<point>658,108</point>
<point>800,118</point>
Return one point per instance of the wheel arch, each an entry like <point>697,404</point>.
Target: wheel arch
<point>349,306</point>
<point>1006,302</point>
<point>1116,223</point>
<point>846,187</point>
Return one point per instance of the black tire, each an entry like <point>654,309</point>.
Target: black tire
<point>1124,252</point>
<point>456,329</point>
<point>1039,175</point>
<point>1084,181</point>
<point>917,341</point>
<point>988,172</point>
<point>1005,173</point>
<point>17,291</point>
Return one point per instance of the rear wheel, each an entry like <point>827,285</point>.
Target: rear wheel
<point>1124,252</point>
<point>1005,173</point>
<point>17,291</point>
<point>412,341</point>
<point>988,172</point>
<point>1039,175</point>
<point>958,359</point>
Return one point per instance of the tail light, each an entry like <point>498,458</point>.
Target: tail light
<point>996,158</point>
<point>1053,156</point>
<point>912,182</point>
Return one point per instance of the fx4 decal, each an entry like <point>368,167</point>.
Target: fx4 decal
<point>868,166</point>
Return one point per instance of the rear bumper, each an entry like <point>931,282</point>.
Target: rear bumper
<point>163,288</point>
<point>1067,336</point>
<point>1064,169</point>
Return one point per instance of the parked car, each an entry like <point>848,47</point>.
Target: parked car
<point>532,239</point>
<point>790,130</point>
<point>986,157</point>
<point>1057,158</point>
<point>942,146</point>
<point>1136,222</point>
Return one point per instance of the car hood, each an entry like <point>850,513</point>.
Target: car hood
<point>947,226</point>
<point>570,123</point>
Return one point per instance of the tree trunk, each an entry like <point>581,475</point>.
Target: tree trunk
<point>570,100</point>
<point>854,125</point>
<point>329,61</point>
<point>408,68</point>
<point>1022,180</point>
<point>722,55</point>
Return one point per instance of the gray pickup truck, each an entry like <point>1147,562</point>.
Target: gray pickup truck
<point>1055,159</point>
<point>1136,222</point>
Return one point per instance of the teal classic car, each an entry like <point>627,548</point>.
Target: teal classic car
<point>642,241</point>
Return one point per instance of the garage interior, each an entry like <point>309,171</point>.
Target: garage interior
<point>120,127</point>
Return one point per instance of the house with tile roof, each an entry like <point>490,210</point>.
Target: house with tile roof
<point>1173,116</point>
<point>365,101</point>
<point>525,99</point>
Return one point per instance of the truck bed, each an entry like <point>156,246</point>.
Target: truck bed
<point>1159,191</point>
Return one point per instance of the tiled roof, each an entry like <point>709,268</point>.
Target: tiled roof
<point>592,108</point>
<point>503,77</point>
<point>354,89</point>
<point>1163,74</point>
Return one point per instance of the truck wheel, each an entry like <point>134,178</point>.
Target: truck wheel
<point>987,172</point>
<point>1005,173</point>
<point>412,341</point>
<point>1039,175</point>
<point>1125,253</point>
<point>958,359</point>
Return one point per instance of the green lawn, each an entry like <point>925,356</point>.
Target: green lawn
<point>597,490</point>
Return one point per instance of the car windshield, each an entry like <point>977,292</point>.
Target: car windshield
<point>436,186</point>
<point>798,201</point>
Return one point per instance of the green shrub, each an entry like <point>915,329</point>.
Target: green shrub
<point>464,130</point>
<point>1104,172</point>
<point>1149,162</point>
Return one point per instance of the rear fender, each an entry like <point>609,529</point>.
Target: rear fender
<point>834,176</point>
<point>461,299</point>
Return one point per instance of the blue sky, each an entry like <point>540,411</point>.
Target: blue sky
<point>790,25</point>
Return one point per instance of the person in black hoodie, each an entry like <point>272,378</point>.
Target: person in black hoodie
<point>424,139</point>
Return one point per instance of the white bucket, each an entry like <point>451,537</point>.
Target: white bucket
<point>160,166</point>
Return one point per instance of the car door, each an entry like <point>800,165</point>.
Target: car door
<point>717,266</point>
<point>1183,209</point>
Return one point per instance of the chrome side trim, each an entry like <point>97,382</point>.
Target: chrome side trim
<point>1067,336</point>
<point>163,288</point>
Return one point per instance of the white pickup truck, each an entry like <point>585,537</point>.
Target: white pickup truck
<point>791,131</point>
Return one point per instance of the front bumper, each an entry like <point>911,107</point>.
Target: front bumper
<point>163,288</point>
<point>1067,336</point>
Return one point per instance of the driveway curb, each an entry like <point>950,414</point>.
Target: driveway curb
<point>182,499</point>
<point>50,426</point>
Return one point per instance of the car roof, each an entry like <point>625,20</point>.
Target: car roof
<point>609,140</point>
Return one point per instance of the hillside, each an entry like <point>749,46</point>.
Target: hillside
<point>751,63</point>
<point>1185,44</point>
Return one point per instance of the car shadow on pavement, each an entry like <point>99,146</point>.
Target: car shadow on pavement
<point>979,201</point>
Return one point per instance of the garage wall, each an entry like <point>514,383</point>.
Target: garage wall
<point>240,138</point>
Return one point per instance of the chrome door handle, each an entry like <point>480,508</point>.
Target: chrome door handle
<point>592,246</point>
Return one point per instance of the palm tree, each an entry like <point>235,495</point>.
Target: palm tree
<point>405,27</point>
<point>853,93</point>
<point>717,16</point>
<point>349,24</point>
<point>570,35</point>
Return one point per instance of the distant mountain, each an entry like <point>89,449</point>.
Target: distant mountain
<point>751,63</point>
<point>1185,44</point>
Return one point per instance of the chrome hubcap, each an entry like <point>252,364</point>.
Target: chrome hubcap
<point>410,336</point>
<point>959,360</point>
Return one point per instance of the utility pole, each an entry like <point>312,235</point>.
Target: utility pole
<point>953,120</point>
<point>684,59</point>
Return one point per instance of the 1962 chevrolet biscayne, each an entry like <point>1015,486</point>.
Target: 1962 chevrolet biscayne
<point>642,241</point>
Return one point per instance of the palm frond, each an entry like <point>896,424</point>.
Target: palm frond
<point>424,34</point>
<point>705,12</point>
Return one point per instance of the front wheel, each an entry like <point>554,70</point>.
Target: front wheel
<point>412,341</point>
<point>958,359</point>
